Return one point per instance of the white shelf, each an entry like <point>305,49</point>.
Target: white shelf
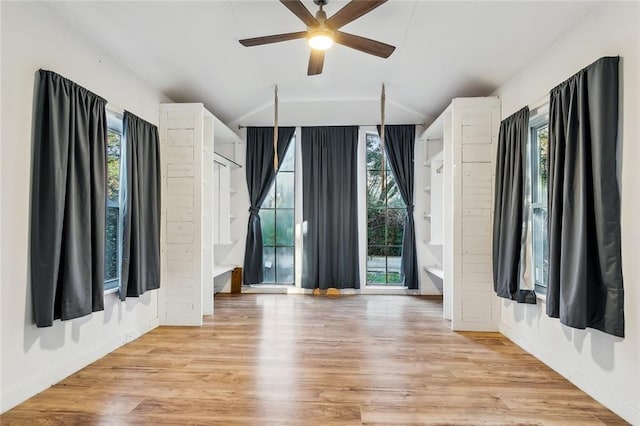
<point>222,269</point>
<point>435,270</point>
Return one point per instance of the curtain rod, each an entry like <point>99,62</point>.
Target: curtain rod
<point>240,126</point>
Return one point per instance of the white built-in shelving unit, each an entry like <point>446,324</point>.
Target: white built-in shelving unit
<point>192,210</point>
<point>463,194</point>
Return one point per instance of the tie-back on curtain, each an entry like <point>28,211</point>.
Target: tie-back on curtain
<point>68,200</point>
<point>141,207</point>
<point>399,143</point>
<point>260,177</point>
<point>509,209</point>
<point>330,207</point>
<point>585,273</point>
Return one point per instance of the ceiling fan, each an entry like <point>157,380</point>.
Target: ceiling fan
<point>321,32</point>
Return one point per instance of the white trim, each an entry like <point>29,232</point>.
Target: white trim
<point>115,109</point>
<point>112,290</point>
<point>616,403</point>
<point>543,101</point>
<point>20,393</point>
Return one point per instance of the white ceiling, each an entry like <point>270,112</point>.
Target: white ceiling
<point>445,49</point>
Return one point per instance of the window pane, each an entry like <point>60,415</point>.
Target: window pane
<point>543,151</point>
<point>375,196</point>
<point>376,225</point>
<point>284,265</point>
<point>270,201</point>
<point>376,265</point>
<point>268,221</point>
<point>394,199</point>
<point>393,265</point>
<point>288,162</point>
<point>540,246</point>
<point>395,226</point>
<point>268,264</point>
<point>112,223</point>
<point>374,157</point>
<point>385,218</point>
<point>113,166</point>
<point>284,227</point>
<point>284,190</point>
<point>278,223</point>
<point>111,270</point>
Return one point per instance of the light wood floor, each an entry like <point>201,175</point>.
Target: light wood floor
<point>294,359</point>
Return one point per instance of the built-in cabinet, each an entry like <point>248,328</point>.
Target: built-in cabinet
<point>468,129</point>
<point>194,183</point>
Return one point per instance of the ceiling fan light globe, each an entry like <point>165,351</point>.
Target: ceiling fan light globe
<point>320,41</point>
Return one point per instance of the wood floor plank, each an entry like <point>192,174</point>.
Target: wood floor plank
<point>312,360</point>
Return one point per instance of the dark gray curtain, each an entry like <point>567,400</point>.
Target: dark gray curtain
<point>399,143</point>
<point>585,273</point>
<point>508,218</point>
<point>140,167</point>
<point>68,200</point>
<point>330,207</point>
<point>260,177</point>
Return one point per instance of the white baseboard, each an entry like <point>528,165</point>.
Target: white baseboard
<point>486,326</point>
<point>606,397</point>
<point>20,393</point>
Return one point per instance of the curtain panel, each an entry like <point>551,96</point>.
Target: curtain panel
<point>260,177</point>
<point>509,220</point>
<point>399,143</point>
<point>140,168</point>
<point>329,207</point>
<point>68,200</point>
<point>585,287</point>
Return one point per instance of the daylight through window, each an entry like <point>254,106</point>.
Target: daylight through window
<point>113,220</point>
<point>385,218</point>
<point>539,136</point>
<point>278,222</point>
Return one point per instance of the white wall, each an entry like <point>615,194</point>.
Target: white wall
<point>604,366</point>
<point>32,358</point>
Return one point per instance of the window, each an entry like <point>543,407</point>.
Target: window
<point>278,223</point>
<point>114,220</point>
<point>539,145</point>
<point>385,218</point>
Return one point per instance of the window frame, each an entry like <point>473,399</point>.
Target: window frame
<point>275,208</point>
<point>115,124</point>
<point>539,120</point>
<point>387,169</point>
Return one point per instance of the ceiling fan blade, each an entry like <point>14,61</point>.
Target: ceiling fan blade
<point>316,62</point>
<point>300,11</point>
<point>352,11</point>
<point>257,41</point>
<point>364,44</point>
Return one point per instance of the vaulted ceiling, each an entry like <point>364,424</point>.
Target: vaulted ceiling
<point>445,49</point>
